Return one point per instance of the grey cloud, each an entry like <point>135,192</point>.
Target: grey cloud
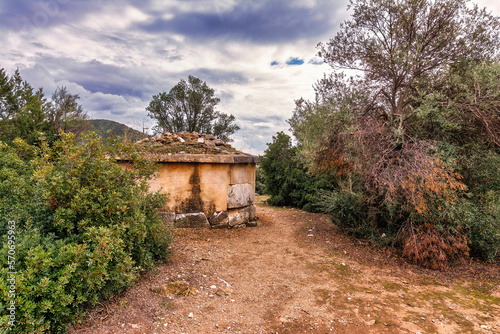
<point>263,118</point>
<point>259,22</point>
<point>226,96</point>
<point>115,81</point>
<point>263,125</point>
<point>218,76</point>
<point>254,136</point>
<point>27,14</point>
<point>39,45</point>
<point>96,76</point>
<point>38,76</point>
<point>159,82</point>
<point>170,55</point>
<point>255,140</point>
<point>105,105</point>
<point>118,112</point>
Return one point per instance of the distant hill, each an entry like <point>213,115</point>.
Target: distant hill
<point>106,128</point>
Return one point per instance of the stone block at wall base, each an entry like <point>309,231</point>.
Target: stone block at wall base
<point>193,220</point>
<point>240,195</point>
<point>241,216</point>
<point>252,212</point>
<point>253,223</point>
<point>219,219</point>
<point>218,227</point>
<point>167,217</point>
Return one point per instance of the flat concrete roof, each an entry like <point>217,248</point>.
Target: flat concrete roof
<point>241,158</point>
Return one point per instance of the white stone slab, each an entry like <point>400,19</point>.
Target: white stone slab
<point>219,219</point>
<point>241,215</point>
<point>240,195</point>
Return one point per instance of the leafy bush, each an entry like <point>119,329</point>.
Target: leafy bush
<point>449,230</point>
<point>85,229</point>
<point>260,181</point>
<point>287,179</point>
<point>481,227</point>
<point>346,211</point>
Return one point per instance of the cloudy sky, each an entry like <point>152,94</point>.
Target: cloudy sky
<point>259,56</point>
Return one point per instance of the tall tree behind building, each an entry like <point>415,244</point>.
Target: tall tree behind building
<point>22,109</point>
<point>190,106</point>
<point>25,112</point>
<point>65,114</point>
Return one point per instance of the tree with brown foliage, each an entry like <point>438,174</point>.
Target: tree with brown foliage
<point>422,86</point>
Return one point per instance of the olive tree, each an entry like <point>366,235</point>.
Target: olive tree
<point>401,47</point>
<point>190,106</point>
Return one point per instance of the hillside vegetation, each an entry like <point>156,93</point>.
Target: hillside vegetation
<point>106,128</point>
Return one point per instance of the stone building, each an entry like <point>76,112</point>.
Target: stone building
<point>209,183</point>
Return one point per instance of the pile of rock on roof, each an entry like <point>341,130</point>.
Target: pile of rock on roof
<point>185,143</point>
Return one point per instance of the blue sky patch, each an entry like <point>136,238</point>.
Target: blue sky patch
<point>274,63</point>
<point>295,61</point>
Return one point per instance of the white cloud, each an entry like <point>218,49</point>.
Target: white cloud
<point>143,62</point>
<point>263,124</point>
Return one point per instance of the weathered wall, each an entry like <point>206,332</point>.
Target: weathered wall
<point>193,187</point>
<point>243,173</point>
<point>206,194</point>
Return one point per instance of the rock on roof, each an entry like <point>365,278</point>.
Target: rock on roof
<point>191,147</point>
<point>187,142</point>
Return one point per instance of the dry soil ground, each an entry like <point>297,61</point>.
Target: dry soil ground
<point>295,273</point>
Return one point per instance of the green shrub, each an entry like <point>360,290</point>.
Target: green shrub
<point>450,230</point>
<point>85,229</point>
<point>260,181</point>
<point>346,211</point>
<point>482,228</point>
<point>287,179</point>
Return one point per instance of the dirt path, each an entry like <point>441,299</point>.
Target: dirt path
<point>295,273</point>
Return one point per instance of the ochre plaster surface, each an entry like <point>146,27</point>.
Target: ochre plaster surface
<point>193,187</point>
<point>206,185</point>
